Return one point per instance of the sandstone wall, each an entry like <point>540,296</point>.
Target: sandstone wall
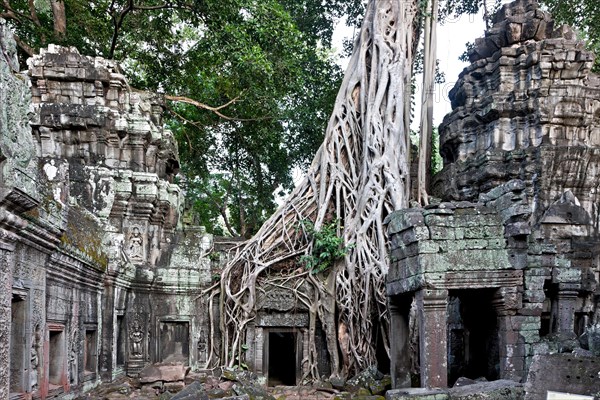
<point>93,259</point>
<point>527,108</point>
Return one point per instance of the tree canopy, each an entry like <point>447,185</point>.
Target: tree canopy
<point>261,75</point>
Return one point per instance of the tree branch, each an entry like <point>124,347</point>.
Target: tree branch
<point>117,23</point>
<point>33,13</point>
<point>11,13</point>
<point>216,110</point>
<point>24,46</point>
<point>60,18</point>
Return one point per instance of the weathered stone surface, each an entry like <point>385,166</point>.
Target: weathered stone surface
<point>592,334</point>
<point>566,373</point>
<point>88,227</point>
<point>18,187</point>
<point>195,391</point>
<point>496,390</point>
<point>523,141</point>
<point>416,394</point>
<point>253,392</point>
<point>371,379</point>
<point>163,372</point>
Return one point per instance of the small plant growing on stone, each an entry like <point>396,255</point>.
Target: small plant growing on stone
<point>327,247</point>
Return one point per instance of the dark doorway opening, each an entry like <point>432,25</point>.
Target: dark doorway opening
<point>90,355</point>
<point>17,344</point>
<point>473,348</point>
<point>404,348</point>
<point>549,318</point>
<point>175,342</point>
<point>282,358</point>
<point>324,359</point>
<point>383,360</point>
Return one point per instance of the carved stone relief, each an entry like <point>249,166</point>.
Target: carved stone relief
<point>136,336</point>
<point>135,246</point>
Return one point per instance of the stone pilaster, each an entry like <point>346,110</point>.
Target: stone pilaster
<point>507,302</point>
<point>432,305</point>
<point>6,268</point>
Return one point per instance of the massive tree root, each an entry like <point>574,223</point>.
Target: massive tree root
<point>358,176</point>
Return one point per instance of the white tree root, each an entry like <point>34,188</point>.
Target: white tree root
<point>358,176</point>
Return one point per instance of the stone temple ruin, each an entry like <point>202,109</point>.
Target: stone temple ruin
<point>505,269</point>
<point>102,276</point>
<point>99,275</point>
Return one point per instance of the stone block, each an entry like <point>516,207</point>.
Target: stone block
<point>534,296</point>
<point>517,259</point>
<point>565,373</point>
<point>416,394</point>
<point>439,220</point>
<point>534,282</point>
<point>475,244</point>
<point>495,390</point>
<point>195,391</point>
<point>566,275</point>
<point>163,372</point>
<point>401,220</point>
<point>428,246</point>
<point>441,233</point>
<point>532,309</point>
<point>517,228</point>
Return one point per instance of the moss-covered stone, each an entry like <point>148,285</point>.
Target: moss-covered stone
<point>84,234</point>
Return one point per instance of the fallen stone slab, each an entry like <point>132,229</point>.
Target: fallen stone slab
<point>163,372</point>
<point>495,390</point>
<point>416,394</point>
<point>195,391</point>
<point>253,391</point>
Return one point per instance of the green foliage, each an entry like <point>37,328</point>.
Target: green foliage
<point>436,159</point>
<point>584,15</point>
<point>327,248</point>
<point>270,57</point>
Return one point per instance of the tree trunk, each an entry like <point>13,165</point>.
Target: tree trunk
<point>60,18</point>
<point>429,61</point>
<point>359,175</point>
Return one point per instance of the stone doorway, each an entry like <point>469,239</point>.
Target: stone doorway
<point>174,341</point>
<point>18,344</point>
<point>473,346</point>
<point>90,355</point>
<point>282,357</point>
<point>56,357</point>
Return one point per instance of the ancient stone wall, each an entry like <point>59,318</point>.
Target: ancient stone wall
<point>526,108</point>
<point>100,276</point>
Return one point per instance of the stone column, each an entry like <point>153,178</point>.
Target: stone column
<point>399,307</point>
<point>108,344</point>
<point>6,267</point>
<point>432,305</point>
